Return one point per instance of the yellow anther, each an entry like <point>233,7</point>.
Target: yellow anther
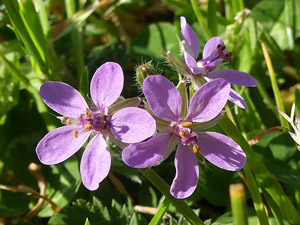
<point>88,114</point>
<point>187,125</point>
<point>68,121</point>
<point>75,134</point>
<point>88,127</point>
<point>196,148</point>
<point>181,133</point>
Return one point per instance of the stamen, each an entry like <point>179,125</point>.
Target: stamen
<point>75,134</point>
<point>220,48</point>
<point>196,148</point>
<point>88,127</point>
<point>68,121</point>
<point>182,133</point>
<point>187,125</point>
<point>88,114</point>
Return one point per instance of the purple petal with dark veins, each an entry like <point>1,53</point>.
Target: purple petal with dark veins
<point>63,99</point>
<point>211,48</point>
<point>236,99</point>
<point>163,97</point>
<point>131,125</point>
<point>221,151</point>
<point>233,77</point>
<point>148,153</point>
<point>187,172</point>
<point>60,144</point>
<point>191,63</point>
<point>95,163</point>
<point>106,85</point>
<point>190,37</point>
<point>208,101</point>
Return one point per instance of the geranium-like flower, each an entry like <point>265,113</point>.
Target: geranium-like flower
<point>214,55</point>
<point>165,102</point>
<point>295,124</point>
<point>129,125</point>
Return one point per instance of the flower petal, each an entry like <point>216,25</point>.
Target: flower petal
<point>221,151</point>
<point>95,163</point>
<point>163,97</point>
<point>234,77</point>
<point>131,125</point>
<point>210,48</point>
<point>63,99</point>
<point>208,101</point>
<point>235,98</point>
<point>60,144</point>
<point>148,153</point>
<point>191,63</point>
<point>107,84</point>
<point>190,37</point>
<point>187,173</point>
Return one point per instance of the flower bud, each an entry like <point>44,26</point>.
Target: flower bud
<point>144,70</point>
<point>176,63</point>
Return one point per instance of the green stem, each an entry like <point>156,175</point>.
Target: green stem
<point>269,183</point>
<point>256,197</point>
<point>238,204</point>
<point>76,38</point>
<point>160,213</point>
<point>164,188</point>
<point>275,87</point>
<point>200,19</point>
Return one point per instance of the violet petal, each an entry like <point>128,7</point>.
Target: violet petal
<point>131,125</point>
<point>148,153</point>
<point>237,99</point>
<point>191,63</point>
<point>106,85</point>
<point>60,144</point>
<point>63,99</point>
<point>95,162</point>
<point>233,77</point>
<point>187,172</point>
<point>208,101</point>
<point>210,48</point>
<point>163,97</point>
<point>221,151</point>
<point>190,37</point>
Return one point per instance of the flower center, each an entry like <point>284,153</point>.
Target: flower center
<point>89,121</point>
<point>215,60</point>
<point>183,130</point>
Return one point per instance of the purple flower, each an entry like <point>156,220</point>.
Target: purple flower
<point>165,102</point>
<point>214,54</point>
<point>128,125</point>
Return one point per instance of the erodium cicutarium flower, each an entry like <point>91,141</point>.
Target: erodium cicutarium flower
<point>129,125</point>
<point>214,55</point>
<point>165,102</point>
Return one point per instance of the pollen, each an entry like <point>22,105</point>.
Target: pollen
<point>181,133</point>
<point>68,121</point>
<point>88,127</point>
<point>196,148</point>
<point>88,114</point>
<point>75,134</point>
<point>187,125</point>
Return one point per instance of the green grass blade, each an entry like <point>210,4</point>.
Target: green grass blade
<point>27,32</point>
<point>200,18</point>
<point>264,180</point>
<point>164,188</point>
<point>275,87</point>
<point>75,37</point>
<point>238,204</point>
<point>212,17</point>
<point>160,213</point>
<point>256,197</point>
